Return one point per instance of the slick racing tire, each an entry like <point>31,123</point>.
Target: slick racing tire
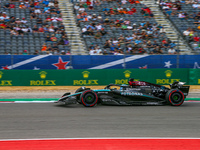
<point>175,97</point>
<point>89,98</point>
<point>81,89</point>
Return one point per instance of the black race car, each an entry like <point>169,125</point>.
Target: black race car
<point>144,93</point>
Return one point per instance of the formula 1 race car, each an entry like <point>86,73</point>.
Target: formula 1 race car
<point>144,93</point>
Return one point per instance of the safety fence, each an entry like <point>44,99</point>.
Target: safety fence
<point>95,77</point>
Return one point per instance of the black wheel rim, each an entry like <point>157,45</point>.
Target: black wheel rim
<point>89,98</point>
<point>176,98</point>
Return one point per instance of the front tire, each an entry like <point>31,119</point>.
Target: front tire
<point>81,89</point>
<point>175,97</point>
<point>89,98</point>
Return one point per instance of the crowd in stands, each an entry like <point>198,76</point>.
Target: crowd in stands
<point>36,25</point>
<point>108,27</point>
<point>121,27</point>
<point>185,15</point>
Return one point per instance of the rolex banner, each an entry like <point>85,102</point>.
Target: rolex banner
<point>194,76</point>
<point>94,77</point>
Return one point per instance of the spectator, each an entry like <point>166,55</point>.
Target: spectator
<point>68,53</point>
<point>124,26</point>
<point>41,30</point>
<point>181,15</point>
<point>97,35</point>
<point>35,29</point>
<point>107,44</point>
<point>196,38</point>
<point>118,52</point>
<point>12,5</point>
<point>91,46</point>
<point>129,39</point>
<point>171,51</point>
<point>54,19</point>
<point>166,45</point>
<point>33,16</point>
<point>24,21</point>
<point>157,50</point>
<point>53,38</point>
<point>196,5</point>
<point>115,41</point>
<point>37,11</point>
<point>49,49</point>
<point>20,31</point>
<point>195,45</point>
<point>162,30</point>
<point>62,52</point>
<point>51,29</point>
<point>63,41</point>
<point>3,25</point>
<point>22,6</point>
<point>155,44</point>
<point>88,32</point>
<point>36,52</point>
<point>51,4</point>
<point>66,41</point>
<point>138,40</point>
<point>27,5</point>
<point>6,6</point>
<point>76,7</point>
<point>39,21</point>
<point>44,48</point>
<point>103,32</point>
<point>91,52</point>
<point>186,32</point>
<point>55,48</point>
<point>25,52</point>
<point>98,26</point>
<point>172,45</point>
<point>18,21</point>
<point>13,32</point>
<point>149,45</point>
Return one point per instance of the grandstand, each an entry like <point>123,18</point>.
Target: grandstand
<point>26,25</point>
<point>79,27</point>
<point>141,26</point>
<point>185,16</point>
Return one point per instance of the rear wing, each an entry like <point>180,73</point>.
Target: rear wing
<point>180,86</point>
<point>185,89</point>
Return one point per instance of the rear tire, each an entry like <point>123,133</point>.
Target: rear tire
<point>89,98</point>
<point>175,97</point>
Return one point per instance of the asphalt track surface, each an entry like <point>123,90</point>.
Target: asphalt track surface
<point>49,120</point>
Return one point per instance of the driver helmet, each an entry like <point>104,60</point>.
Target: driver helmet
<point>131,79</point>
<point>121,88</point>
